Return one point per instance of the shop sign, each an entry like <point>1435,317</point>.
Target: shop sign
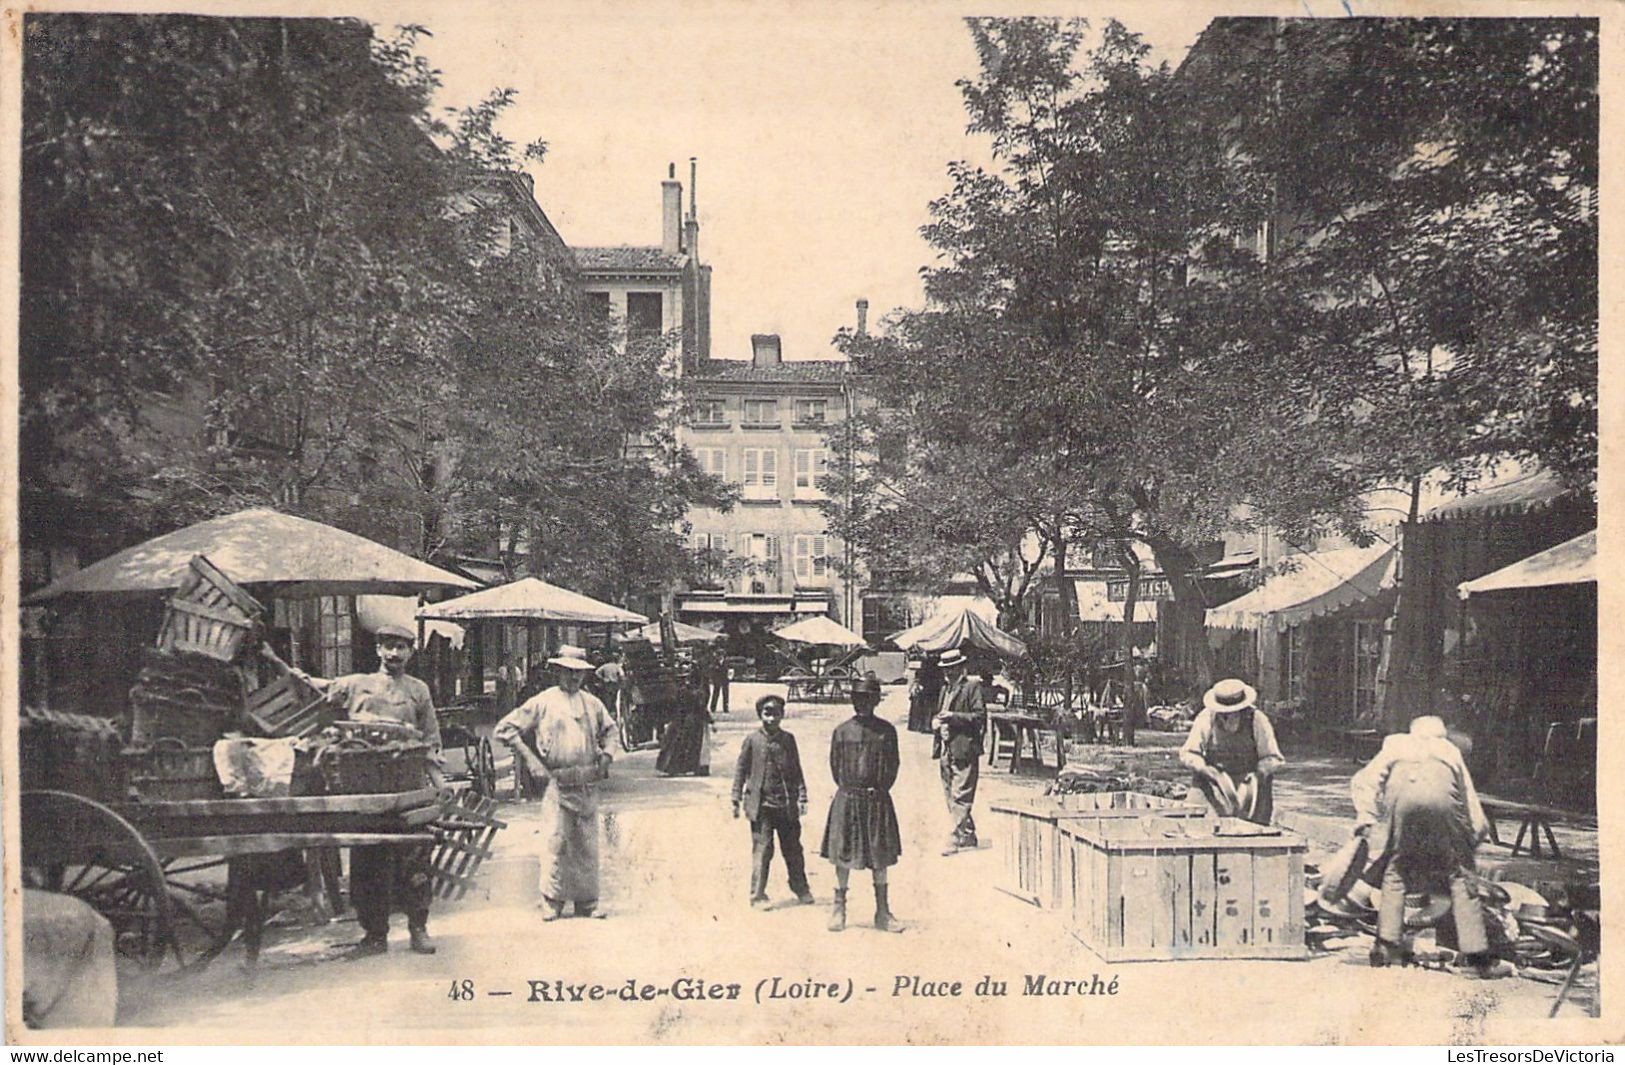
<point>1150,588</point>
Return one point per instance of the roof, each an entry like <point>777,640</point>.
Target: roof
<point>1527,493</point>
<point>531,599</point>
<point>260,546</point>
<point>790,371</point>
<point>1323,582</point>
<point>1571,562</point>
<point>627,257</point>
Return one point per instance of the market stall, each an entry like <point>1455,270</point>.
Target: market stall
<point>822,668</point>
<point>209,774</point>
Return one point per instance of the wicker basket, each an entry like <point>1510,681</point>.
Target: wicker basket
<point>170,771</point>
<point>355,767</point>
<point>377,733</point>
<point>69,752</point>
<point>185,715</point>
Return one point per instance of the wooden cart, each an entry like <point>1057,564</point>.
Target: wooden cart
<point>144,865</point>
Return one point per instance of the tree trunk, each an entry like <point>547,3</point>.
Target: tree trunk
<point>1403,690</point>
<point>1131,692</point>
<point>1068,594</point>
<point>1178,563</point>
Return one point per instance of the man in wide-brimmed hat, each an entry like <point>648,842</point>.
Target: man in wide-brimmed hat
<point>1232,750</point>
<point>961,722</point>
<point>1419,782</point>
<point>861,830</point>
<point>386,876</point>
<point>568,731</point>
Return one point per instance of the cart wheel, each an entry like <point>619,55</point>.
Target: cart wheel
<point>81,848</point>
<point>485,769</point>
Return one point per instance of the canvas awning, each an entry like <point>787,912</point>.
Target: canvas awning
<point>1571,562</point>
<point>684,633</point>
<point>375,610</point>
<point>729,606</point>
<point>1323,582</point>
<point>959,629</point>
<point>820,630</point>
<point>1521,495</point>
<point>530,599</point>
<point>260,547</point>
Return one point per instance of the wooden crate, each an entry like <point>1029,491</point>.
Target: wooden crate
<point>1158,889</point>
<point>209,615</point>
<point>1024,833</point>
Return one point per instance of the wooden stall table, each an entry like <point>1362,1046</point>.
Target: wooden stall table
<point>1015,729</point>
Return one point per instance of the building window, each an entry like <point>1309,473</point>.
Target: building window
<point>596,305</point>
<point>762,549</point>
<point>333,629</point>
<point>1295,662</point>
<point>1367,655</point>
<point>761,473</point>
<point>762,413</point>
<point>710,412</point>
<point>812,563</point>
<point>643,314</point>
<point>713,460</point>
<point>811,465</point>
<point>812,411</point>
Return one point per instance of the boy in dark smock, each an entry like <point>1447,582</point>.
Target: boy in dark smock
<point>861,832</point>
<point>769,785</point>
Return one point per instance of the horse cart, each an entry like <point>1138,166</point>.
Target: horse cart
<point>183,823</point>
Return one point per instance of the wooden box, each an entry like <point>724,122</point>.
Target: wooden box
<point>209,615</point>
<point>1158,888</point>
<point>1024,832</point>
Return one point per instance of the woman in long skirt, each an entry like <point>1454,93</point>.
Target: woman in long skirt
<point>922,706</point>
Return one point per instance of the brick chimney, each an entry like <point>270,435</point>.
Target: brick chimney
<point>765,350</point>
<point>671,212</point>
<point>863,318</point>
<point>691,228</point>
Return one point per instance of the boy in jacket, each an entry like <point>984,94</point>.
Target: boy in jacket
<point>769,786</point>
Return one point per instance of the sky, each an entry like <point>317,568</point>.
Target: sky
<point>822,134</point>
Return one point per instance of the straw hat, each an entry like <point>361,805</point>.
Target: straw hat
<point>1229,696</point>
<point>570,657</point>
<point>951,658</point>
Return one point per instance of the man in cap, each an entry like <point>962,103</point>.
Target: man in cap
<point>769,785</point>
<point>960,723</point>
<point>390,876</point>
<point>1232,750</point>
<point>861,831</point>
<point>568,731</point>
<point>1435,821</point>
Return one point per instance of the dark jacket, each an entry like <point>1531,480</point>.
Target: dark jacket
<point>752,768</point>
<point>965,713</point>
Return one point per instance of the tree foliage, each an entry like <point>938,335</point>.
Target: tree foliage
<point>260,267</point>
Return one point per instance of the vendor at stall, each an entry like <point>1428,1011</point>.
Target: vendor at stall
<point>389,876</point>
<point>1420,784</point>
<point>1232,750</point>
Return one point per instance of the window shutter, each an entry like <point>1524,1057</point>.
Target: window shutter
<point>803,468</point>
<point>773,547</point>
<point>752,466</point>
<point>770,468</point>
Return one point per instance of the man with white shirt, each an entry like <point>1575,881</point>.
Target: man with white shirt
<point>1419,782</point>
<point>562,735</point>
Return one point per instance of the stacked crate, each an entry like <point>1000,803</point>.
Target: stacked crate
<point>1025,832</point>
<point>1158,888</point>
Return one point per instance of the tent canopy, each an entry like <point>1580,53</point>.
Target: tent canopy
<point>685,633</point>
<point>1322,583</point>
<point>821,630</point>
<point>260,547</point>
<point>1571,562</point>
<point>958,629</point>
<point>529,599</point>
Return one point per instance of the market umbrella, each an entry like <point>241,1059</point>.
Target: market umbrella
<point>529,599</point>
<point>958,629</point>
<point>821,630</point>
<point>259,547</point>
<point>685,633</point>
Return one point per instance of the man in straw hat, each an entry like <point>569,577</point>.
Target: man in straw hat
<point>960,722</point>
<point>388,876</point>
<point>1232,750</point>
<point>568,731</point>
<point>861,831</point>
<point>1420,781</point>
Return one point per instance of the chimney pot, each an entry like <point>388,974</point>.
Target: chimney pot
<point>766,350</point>
<point>671,216</point>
